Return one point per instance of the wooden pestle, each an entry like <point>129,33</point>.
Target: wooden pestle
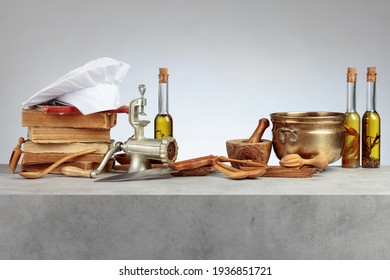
<point>295,160</point>
<point>259,131</point>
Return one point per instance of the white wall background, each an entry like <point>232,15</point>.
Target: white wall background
<point>230,62</point>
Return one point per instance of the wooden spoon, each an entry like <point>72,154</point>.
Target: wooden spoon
<point>15,156</point>
<point>74,171</point>
<point>231,174</point>
<point>238,174</point>
<point>243,162</point>
<point>258,133</point>
<point>39,174</point>
<point>295,160</point>
<point>253,172</point>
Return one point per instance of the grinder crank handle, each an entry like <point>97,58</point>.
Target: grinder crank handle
<point>117,147</point>
<point>74,171</point>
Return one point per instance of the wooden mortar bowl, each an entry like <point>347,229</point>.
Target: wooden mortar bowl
<point>241,149</point>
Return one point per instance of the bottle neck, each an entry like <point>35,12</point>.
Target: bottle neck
<point>351,97</point>
<point>163,98</point>
<point>371,100</point>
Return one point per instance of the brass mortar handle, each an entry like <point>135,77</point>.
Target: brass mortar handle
<point>282,131</point>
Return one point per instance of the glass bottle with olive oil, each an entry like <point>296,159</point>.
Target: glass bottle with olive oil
<point>371,125</point>
<point>163,123</point>
<point>351,151</point>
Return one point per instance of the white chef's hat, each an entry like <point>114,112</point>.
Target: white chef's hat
<point>90,88</point>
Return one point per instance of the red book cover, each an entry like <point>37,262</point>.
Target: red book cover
<point>67,110</point>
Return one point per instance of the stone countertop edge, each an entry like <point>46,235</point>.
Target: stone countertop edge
<point>333,181</point>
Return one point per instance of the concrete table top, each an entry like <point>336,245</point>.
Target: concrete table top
<point>338,214</point>
<point>333,181</point>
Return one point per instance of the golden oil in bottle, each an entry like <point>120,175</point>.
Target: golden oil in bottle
<point>163,122</point>
<point>371,125</point>
<point>351,151</point>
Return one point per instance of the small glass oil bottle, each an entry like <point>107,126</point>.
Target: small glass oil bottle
<point>351,151</point>
<point>163,123</point>
<point>371,124</point>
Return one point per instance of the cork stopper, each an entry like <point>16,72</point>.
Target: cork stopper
<point>371,74</point>
<point>351,75</point>
<point>163,75</point>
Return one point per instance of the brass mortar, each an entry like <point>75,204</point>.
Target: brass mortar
<point>308,134</point>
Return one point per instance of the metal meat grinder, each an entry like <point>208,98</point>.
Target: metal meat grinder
<point>141,150</point>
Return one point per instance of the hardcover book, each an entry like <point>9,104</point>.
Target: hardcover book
<point>34,118</point>
<point>65,148</point>
<point>68,135</point>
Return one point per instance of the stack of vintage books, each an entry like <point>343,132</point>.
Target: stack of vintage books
<point>57,131</point>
